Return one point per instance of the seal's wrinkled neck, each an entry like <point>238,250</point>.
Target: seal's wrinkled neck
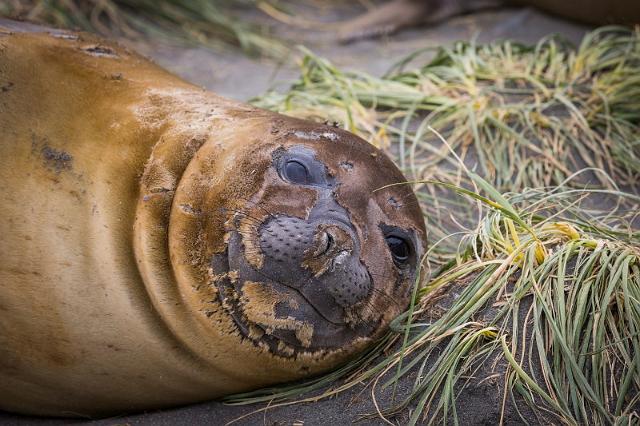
<point>207,163</point>
<point>176,225</point>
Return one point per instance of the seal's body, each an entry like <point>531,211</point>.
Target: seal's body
<point>161,245</point>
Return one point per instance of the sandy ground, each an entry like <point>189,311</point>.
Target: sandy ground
<point>234,75</point>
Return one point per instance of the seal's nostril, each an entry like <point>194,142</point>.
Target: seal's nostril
<point>326,242</point>
<point>330,241</point>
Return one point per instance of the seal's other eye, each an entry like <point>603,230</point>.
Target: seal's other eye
<point>296,172</point>
<point>399,249</point>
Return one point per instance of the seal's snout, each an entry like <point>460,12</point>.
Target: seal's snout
<point>331,246</point>
<point>320,258</point>
<point>334,258</point>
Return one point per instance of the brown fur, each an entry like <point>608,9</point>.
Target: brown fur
<point>119,182</point>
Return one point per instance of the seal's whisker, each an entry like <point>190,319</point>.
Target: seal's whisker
<point>386,296</point>
<point>381,275</point>
<point>299,292</point>
<point>365,305</point>
<point>250,223</point>
<point>245,214</point>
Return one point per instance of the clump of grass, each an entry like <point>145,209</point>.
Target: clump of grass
<point>545,281</point>
<point>548,282</point>
<point>575,351</point>
<point>520,116</point>
<point>198,21</point>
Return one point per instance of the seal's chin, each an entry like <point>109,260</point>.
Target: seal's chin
<point>282,321</point>
<point>280,317</point>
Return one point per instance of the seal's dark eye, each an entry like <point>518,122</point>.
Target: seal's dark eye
<point>296,172</point>
<point>399,249</point>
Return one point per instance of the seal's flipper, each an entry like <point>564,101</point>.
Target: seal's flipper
<point>399,14</point>
<point>385,19</point>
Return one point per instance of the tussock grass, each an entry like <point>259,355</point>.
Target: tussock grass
<point>207,22</point>
<point>574,351</point>
<point>533,274</point>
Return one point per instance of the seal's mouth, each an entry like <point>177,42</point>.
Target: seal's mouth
<point>286,316</point>
<point>278,317</point>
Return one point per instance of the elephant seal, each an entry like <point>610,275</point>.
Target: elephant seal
<point>162,245</point>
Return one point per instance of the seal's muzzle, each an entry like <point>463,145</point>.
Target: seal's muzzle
<point>312,267</point>
<point>319,257</point>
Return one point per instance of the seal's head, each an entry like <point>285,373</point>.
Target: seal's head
<point>318,254</point>
<point>307,245</point>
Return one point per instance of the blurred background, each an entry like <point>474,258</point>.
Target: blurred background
<point>241,48</point>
